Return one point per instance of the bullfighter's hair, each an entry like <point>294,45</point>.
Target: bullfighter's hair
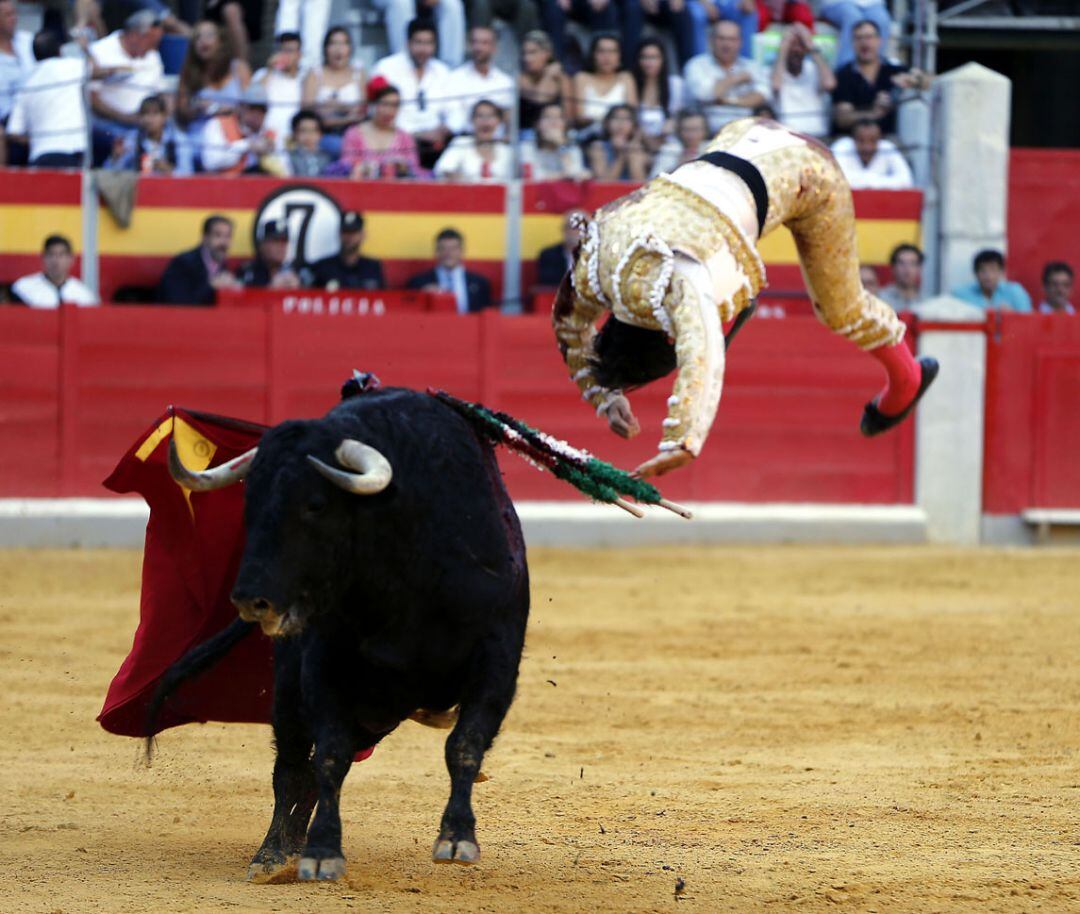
<point>628,357</point>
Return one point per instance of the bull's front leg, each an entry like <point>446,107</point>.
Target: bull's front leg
<point>487,698</point>
<point>294,776</point>
<point>322,857</point>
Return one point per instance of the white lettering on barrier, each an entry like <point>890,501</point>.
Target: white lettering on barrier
<point>335,305</point>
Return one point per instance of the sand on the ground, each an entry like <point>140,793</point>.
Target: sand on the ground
<point>803,729</point>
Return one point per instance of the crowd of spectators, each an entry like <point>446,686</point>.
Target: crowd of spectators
<point>629,105</point>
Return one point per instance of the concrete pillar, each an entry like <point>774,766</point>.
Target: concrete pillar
<point>949,425</point>
<point>973,144</point>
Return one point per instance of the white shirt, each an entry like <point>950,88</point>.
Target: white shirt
<point>423,101</point>
<point>125,91</point>
<point>888,170</point>
<point>55,117</point>
<point>652,117</point>
<point>704,71</point>
<point>466,86</point>
<point>219,154</point>
<point>283,99</point>
<point>461,162</point>
<point>37,291</point>
<point>14,68</point>
<point>800,103</point>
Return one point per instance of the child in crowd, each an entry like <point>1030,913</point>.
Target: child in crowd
<point>306,158</point>
<point>152,149</point>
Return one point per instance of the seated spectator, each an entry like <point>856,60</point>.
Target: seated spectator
<point>270,268</point>
<point>307,158</point>
<point>602,85</point>
<point>618,153</point>
<point>238,142</point>
<point>212,80</point>
<point>726,85</point>
<point>480,156</point>
<point>753,16</point>
<point>598,16</point>
<point>335,91</point>
<point>660,93</point>
<point>421,80</point>
<point>691,136</point>
<point>991,289</point>
<point>868,161</point>
<point>377,148</point>
<point>801,81</point>
<point>686,20</point>
<point>478,79</point>
<point>846,15</point>
<point>136,71</point>
<point>152,150</point>
<point>49,110</point>
<point>282,81</point>
<point>866,86</point>
<point>472,291</point>
<point>554,261</point>
<point>905,291</point>
<point>447,19</point>
<point>307,20</point>
<point>193,277</point>
<point>868,278</point>
<point>541,80</point>
<point>1057,281</point>
<point>552,156</point>
<point>348,268</point>
<point>16,62</point>
<point>54,285</point>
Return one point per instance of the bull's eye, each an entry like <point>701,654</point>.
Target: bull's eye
<point>313,508</point>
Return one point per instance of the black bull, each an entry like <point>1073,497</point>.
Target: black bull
<point>404,601</point>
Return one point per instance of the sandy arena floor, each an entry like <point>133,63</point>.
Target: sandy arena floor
<point>803,729</point>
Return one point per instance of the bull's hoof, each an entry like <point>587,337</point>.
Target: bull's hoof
<point>464,852</point>
<point>326,869</point>
<point>271,872</point>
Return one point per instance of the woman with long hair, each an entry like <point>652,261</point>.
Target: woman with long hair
<point>376,148</point>
<point>335,90</point>
<point>479,156</point>
<point>541,82</point>
<point>602,85</point>
<point>212,80</point>
<point>618,154</point>
<point>660,93</point>
<point>551,156</point>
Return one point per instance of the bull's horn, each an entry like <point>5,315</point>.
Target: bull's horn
<point>367,471</point>
<point>217,478</point>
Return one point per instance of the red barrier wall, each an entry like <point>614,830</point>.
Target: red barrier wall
<point>1032,438</point>
<point>1044,213</point>
<point>80,385</point>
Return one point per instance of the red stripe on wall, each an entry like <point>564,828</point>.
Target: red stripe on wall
<point>240,193</point>
<point>44,188</point>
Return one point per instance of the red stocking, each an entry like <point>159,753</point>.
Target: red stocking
<point>904,377</point>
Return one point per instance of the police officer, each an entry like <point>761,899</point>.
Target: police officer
<point>269,268</point>
<point>348,269</point>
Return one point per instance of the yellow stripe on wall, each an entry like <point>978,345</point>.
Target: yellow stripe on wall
<point>877,238</point>
<point>163,232</point>
<point>24,228</point>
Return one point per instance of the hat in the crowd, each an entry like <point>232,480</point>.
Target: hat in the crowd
<point>255,96</point>
<point>377,85</point>
<point>275,230</point>
<point>352,221</point>
<point>142,19</point>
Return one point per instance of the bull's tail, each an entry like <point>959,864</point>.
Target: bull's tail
<point>194,663</point>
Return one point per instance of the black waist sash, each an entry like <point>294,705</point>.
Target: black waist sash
<point>751,177</point>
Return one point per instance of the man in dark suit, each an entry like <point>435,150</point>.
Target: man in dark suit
<point>472,291</point>
<point>193,277</point>
<point>557,259</point>
<point>348,268</point>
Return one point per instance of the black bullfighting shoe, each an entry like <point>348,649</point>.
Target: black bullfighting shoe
<point>874,421</point>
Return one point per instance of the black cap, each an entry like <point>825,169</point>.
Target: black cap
<point>275,230</point>
<point>352,221</point>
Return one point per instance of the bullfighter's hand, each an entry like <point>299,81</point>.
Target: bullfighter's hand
<point>621,419</point>
<point>664,462</point>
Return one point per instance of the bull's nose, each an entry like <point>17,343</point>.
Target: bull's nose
<point>251,608</point>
